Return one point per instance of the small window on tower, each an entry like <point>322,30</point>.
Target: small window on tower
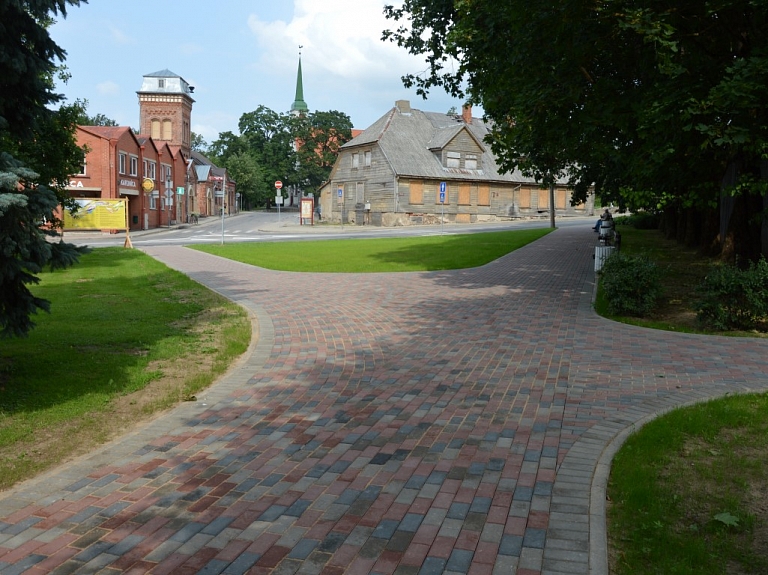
<point>161,83</point>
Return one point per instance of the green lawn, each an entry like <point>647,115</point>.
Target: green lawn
<point>120,324</point>
<point>379,255</point>
<point>689,492</point>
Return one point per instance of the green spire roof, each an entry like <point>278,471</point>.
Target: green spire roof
<point>299,105</point>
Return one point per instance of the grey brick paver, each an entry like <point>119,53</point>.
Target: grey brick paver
<point>402,413</point>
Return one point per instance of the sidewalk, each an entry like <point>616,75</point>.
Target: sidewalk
<point>458,421</point>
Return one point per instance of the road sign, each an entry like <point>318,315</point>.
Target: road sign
<point>180,190</point>
<point>279,200</point>
<point>442,192</point>
<point>340,193</point>
<point>278,184</point>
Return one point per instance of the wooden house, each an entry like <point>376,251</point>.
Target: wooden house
<point>414,167</point>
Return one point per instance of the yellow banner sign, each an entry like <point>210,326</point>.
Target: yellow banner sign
<point>97,214</point>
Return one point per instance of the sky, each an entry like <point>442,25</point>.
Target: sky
<point>239,54</point>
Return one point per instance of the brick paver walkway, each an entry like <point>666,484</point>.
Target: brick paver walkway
<point>445,422</point>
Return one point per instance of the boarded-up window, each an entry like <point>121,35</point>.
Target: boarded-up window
<point>525,198</point>
<point>167,130</point>
<point>484,195</point>
<point>355,161</point>
<point>453,160</point>
<point>560,199</point>
<point>155,130</point>
<point>543,199</point>
<point>360,192</point>
<point>368,159</point>
<point>470,162</point>
<point>464,194</point>
<point>417,192</point>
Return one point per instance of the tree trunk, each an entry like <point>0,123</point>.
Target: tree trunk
<point>764,223</point>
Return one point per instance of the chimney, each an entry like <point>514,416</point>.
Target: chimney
<point>466,113</point>
<point>403,106</point>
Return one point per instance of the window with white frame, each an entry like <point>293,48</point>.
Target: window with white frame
<point>167,180</point>
<point>355,161</point>
<point>83,166</point>
<point>150,169</point>
<point>134,165</point>
<point>452,160</point>
<point>470,162</point>
<point>122,162</point>
<point>161,82</point>
<point>152,201</point>
<point>368,159</point>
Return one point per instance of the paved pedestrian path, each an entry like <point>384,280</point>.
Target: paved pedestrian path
<point>444,422</point>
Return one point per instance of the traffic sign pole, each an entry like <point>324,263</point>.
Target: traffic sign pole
<point>278,198</point>
<point>442,205</point>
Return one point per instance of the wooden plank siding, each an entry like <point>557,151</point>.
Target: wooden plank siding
<point>411,152</point>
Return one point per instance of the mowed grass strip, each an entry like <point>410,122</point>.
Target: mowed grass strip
<point>689,492</point>
<point>126,337</point>
<point>411,254</point>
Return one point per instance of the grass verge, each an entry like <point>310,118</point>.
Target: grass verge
<point>126,337</point>
<point>410,254</point>
<point>689,491</point>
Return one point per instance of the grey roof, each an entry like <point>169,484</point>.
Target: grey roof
<point>200,160</point>
<point>162,74</point>
<point>411,142</point>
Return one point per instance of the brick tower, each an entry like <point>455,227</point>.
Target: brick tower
<point>165,109</point>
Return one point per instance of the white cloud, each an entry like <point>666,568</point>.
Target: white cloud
<point>120,37</point>
<point>190,49</point>
<point>340,37</point>
<point>209,125</point>
<point>346,66</point>
<point>108,88</point>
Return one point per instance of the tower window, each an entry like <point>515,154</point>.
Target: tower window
<point>155,132</point>
<point>167,131</point>
<point>161,83</point>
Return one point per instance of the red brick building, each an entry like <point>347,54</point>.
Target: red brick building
<point>154,170</point>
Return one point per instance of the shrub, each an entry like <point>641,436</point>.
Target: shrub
<point>733,298</point>
<point>631,284</point>
<point>640,221</point>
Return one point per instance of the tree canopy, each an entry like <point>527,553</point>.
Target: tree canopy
<point>297,150</point>
<point>659,106</point>
<point>38,153</point>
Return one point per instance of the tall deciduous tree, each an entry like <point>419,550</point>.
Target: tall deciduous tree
<point>37,154</point>
<point>660,106</point>
<point>259,155</point>
<point>318,137</point>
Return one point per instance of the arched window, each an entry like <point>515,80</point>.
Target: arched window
<point>155,132</point>
<point>167,130</point>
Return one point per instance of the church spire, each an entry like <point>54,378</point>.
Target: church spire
<point>299,106</point>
